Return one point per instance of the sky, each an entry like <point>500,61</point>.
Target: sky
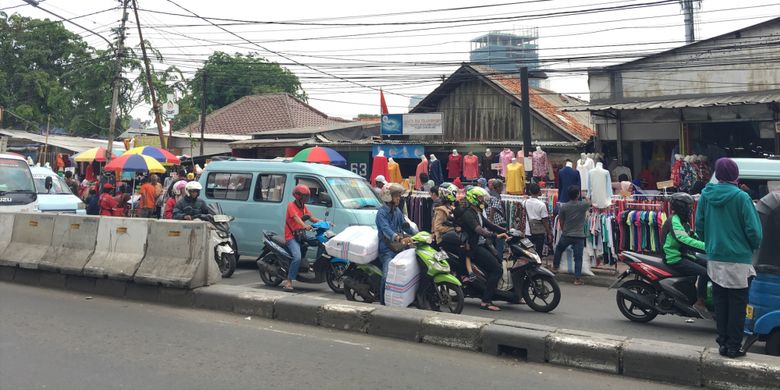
<point>345,51</point>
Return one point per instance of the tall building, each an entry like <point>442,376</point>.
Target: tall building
<point>508,51</point>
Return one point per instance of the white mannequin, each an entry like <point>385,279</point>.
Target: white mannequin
<point>600,187</point>
<point>584,165</point>
<point>514,160</point>
<point>381,153</point>
<point>583,156</point>
<point>422,157</point>
<point>569,164</point>
<point>433,157</point>
<point>390,159</point>
<point>454,152</point>
<point>488,152</point>
<point>538,148</point>
<point>677,157</point>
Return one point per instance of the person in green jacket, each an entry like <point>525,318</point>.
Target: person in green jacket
<point>680,247</point>
<point>728,222</point>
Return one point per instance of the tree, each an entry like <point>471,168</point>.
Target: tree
<point>231,77</point>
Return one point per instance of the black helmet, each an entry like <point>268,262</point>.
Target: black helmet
<point>681,203</point>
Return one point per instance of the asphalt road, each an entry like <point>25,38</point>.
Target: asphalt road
<point>589,308</point>
<point>52,339</point>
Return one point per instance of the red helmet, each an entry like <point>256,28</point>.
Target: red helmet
<point>301,193</point>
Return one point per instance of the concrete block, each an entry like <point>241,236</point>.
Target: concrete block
<point>220,297</point>
<point>524,341</point>
<point>30,239</point>
<point>6,229</point>
<point>587,350</point>
<point>177,255</point>
<point>80,283</point>
<point>750,372</point>
<point>177,297</point>
<point>299,308</point>
<point>111,288</point>
<point>7,273</point>
<point>258,303</point>
<point>27,276</point>
<point>52,280</point>
<point>352,316</point>
<point>72,244</point>
<point>454,331</point>
<point>662,361</point>
<point>398,323</point>
<point>120,247</point>
<point>142,292</point>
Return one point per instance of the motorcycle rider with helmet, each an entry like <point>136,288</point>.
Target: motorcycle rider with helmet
<point>445,232</point>
<point>680,245</point>
<point>479,231</point>
<point>391,227</point>
<point>295,229</point>
<point>190,206</point>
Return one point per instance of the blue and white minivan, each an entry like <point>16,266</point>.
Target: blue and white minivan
<point>256,193</point>
<point>17,189</point>
<point>57,199</point>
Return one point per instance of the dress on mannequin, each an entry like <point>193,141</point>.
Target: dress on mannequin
<point>470,166</point>
<point>454,166</point>
<point>394,172</point>
<point>422,167</point>
<point>583,167</point>
<point>434,170</point>
<point>505,158</point>
<point>487,161</point>
<point>515,179</point>
<point>600,187</point>
<point>378,167</point>
<point>539,158</point>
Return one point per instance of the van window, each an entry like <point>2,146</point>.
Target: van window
<point>316,188</point>
<point>270,188</point>
<point>228,186</point>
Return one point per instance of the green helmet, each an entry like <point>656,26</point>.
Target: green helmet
<point>449,192</point>
<point>476,196</point>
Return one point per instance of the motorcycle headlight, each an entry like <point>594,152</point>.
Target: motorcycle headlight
<point>440,266</point>
<point>533,256</point>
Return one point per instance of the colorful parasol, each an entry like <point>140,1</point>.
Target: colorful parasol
<point>320,155</point>
<point>135,163</point>
<point>94,154</point>
<point>158,154</point>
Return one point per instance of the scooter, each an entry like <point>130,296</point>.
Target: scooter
<point>274,262</point>
<point>655,289</point>
<point>531,281</point>
<point>438,289</point>
<point>219,237</point>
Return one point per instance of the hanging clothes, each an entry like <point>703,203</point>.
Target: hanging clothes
<point>422,167</point>
<point>515,180</point>
<point>600,187</point>
<point>434,171</point>
<point>454,166</point>
<point>688,176</point>
<point>470,167</point>
<point>676,172</point>
<point>505,158</point>
<point>567,177</point>
<point>540,163</point>
<point>583,167</point>
<point>378,167</point>
<point>487,161</point>
<point>419,208</point>
<point>394,172</point>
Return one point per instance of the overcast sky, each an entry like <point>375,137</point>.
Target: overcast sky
<point>342,66</point>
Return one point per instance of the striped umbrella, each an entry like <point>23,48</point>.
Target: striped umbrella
<point>94,154</point>
<point>135,163</point>
<point>320,155</point>
<point>158,154</point>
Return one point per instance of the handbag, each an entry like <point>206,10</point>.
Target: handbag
<point>395,246</point>
<point>536,225</point>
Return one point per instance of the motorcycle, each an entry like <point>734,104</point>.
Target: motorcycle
<point>219,238</point>
<point>274,262</point>
<point>655,289</point>
<point>438,289</point>
<point>531,281</point>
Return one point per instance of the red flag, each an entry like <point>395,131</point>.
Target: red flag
<point>382,102</point>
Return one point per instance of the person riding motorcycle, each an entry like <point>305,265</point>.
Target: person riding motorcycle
<point>479,231</point>
<point>391,227</point>
<point>295,230</point>
<point>190,206</point>
<point>445,231</point>
<point>680,246</point>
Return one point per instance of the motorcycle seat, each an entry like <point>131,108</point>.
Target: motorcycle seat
<point>279,240</point>
<point>654,261</point>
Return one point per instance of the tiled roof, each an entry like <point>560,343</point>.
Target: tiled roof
<point>258,113</point>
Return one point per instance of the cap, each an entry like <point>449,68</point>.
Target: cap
<point>380,178</point>
<point>190,176</point>
<point>108,186</point>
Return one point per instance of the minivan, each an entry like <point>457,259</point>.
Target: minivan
<point>256,193</point>
<point>760,175</point>
<point>54,195</point>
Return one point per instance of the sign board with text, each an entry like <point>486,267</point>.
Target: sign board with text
<point>399,151</point>
<point>411,124</point>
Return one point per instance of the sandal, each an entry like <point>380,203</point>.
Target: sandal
<point>489,307</point>
<point>288,287</point>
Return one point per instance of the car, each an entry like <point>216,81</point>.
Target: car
<point>17,188</point>
<point>759,175</point>
<point>56,197</point>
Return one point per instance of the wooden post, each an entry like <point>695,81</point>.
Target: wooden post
<point>155,104</point>
<point>120,51</point>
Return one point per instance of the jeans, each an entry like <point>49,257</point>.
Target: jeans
<point>491,266</point>
<point>500,244</point>
<point>729,315</point>
<point>578,245</point>
<point>384,258</point>
<point>538,241</point>
<point>690,267</point>
<point>295,250</point>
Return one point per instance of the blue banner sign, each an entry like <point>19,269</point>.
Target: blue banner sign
<point>399,151</point>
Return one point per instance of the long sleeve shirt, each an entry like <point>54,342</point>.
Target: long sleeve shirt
<point>505,158</point>
<point>677,240</point>
<point>454,166</point>
<point>422,167</point>
<point>471,167</point>
<point>583,167</point>
<point>567,177</point>
<point>539,165</point>
<point>600,188</point>
<point>435,172</point>
<point>389,223</point>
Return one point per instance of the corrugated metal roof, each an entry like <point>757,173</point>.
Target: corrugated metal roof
<point>738,99</point>
<point>75,144</point>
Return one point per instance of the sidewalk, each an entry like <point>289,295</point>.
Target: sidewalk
<point>604,276</point>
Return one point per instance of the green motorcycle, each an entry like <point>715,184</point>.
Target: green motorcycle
<point>438,288</point>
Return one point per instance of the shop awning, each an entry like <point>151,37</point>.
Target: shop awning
<point>739,99</point>
<point>74,144</point>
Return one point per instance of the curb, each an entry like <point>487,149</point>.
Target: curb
<point>637,358</point>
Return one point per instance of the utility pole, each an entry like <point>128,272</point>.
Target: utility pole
<point>203,111</point>
<point>46,142</point>
<point>690,35</point>
<point>120,52</point>
<point>526,112</point>
<point>155,103</point>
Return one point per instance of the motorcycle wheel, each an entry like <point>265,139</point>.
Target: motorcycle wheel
<point>541,293</point>
<point>446,296</point>
<point>631,310</point>
<point>227,264</point>
<point>268,278</point>
<point>334,277</point>
<point>352,295</point>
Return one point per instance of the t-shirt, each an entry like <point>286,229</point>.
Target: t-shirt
<point>148,200</point>
<point>572,215</point>
<point>536,210</point>
<point>290,226</point>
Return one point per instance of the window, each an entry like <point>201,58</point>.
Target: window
<point>354,193</point>
<point>58,185</point>
<point>228,186</point>
<point>316,188</point>
<point>270,188</point>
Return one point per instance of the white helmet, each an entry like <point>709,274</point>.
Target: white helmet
<point>193,186</point>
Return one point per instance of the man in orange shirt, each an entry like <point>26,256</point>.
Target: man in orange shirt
<point>148,199</point>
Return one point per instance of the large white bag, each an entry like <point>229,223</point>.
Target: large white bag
<point>403,277</point>
<point>357,244</point>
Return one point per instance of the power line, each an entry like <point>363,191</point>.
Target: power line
<point>36,4</point>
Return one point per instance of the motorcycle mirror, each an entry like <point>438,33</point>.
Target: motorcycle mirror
<point>325,199</point>
<point>48,183</point>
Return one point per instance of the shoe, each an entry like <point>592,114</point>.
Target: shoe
<point>578,282</point>
<point>735,353</point>
<point>702,310</point>
<point>472,277</point>
<point>722,350</point>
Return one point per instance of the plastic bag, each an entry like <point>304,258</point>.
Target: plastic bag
<point>403,277</point>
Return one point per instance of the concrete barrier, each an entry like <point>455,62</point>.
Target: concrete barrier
<point>120,247</point>
<point>592,351</point>
<point>453,330</point>
<point>517,339</point>
<point>661,361</point>
<point>30,240</point>
<point>177,255</point>
<point>72,244</point>
<point>6,228</point>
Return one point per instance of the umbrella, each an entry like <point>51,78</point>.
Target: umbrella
<point>158,154</point>
<point>94,154</point>
<point>135,163</point>
<point>320,155</point>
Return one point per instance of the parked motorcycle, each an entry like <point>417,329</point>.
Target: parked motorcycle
<point>655,289</point>
<point>438,289</point>
<point>219,238</point>
<point>531,281</point>
<point>274,262</point>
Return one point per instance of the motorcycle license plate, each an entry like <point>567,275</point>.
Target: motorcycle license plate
<point>749,312</point>
<point>221,218</point>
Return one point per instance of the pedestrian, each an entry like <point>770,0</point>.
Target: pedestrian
<point>379,183</point>
<point>72,183</point>
<point>107,202</point>
<point>482,182</point>
<point>426,182</point>
<point>175,194</point>
<point>495,211</point>
<point>148,200</point>
<point>93,207</point>
<point>728,223</point>
<point>158,195</point>
<point>572,219</point>
<point>537,225</point>
<point>435,199</point>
